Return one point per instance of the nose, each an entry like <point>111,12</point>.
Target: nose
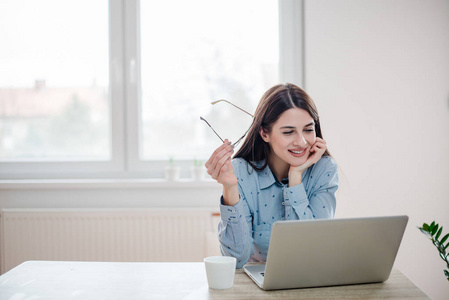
<point>300,141</point>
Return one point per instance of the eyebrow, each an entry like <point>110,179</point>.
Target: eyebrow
<point>293,127</point>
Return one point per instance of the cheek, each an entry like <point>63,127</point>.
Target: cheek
<point>312,139</point>
<point>279,141</point>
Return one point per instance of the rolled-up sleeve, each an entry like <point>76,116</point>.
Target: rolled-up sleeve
<point>235,232</point>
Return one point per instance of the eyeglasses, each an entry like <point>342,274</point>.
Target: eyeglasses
<point>241,138</point>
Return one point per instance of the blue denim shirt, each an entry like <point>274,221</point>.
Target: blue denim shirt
<point>245,228</point>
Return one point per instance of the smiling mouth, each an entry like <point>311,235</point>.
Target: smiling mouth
<point>297,152</point>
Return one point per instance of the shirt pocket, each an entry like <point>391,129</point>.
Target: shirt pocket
<point>262,234</point>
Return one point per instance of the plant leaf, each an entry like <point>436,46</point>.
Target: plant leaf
<point>425,227</point>
<point>434,229</point>
<point>444,238</point>
<point>439,233</point>
<point>425,232</point>
<point>432,225</point>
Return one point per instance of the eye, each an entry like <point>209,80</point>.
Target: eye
<point>309,130</point>
<point>288,132</point>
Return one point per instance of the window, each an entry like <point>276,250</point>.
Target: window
<point>54,83</point>
<point>199,57</point>
<point>116,90</point>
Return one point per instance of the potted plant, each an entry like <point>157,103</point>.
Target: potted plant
<point>172,171</point>
<point>197,170</point>
<point>433,232</point>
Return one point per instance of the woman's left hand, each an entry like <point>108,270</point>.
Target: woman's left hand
<point>315,153</point>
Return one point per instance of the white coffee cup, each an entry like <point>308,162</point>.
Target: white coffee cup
<point>220,271</point>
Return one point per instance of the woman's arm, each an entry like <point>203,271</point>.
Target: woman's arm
<point>235,232</point>
<point>235,228</point>
<point>318,199</point>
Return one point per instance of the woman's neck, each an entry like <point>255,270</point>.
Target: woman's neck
<point>279,167</point>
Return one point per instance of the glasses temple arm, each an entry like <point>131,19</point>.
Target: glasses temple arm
<point>214,102</point>
<point>212,129</point>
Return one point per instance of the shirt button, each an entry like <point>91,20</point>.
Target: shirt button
<point>283,203</point>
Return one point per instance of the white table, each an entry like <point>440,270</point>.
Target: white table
<point>103,280</point>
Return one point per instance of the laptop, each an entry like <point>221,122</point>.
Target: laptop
<point>315,253</point>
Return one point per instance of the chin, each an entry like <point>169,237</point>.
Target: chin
<point>297,163</point>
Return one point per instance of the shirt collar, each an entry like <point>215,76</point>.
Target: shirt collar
<point>266,178</point>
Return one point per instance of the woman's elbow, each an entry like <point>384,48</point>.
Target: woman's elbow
<point>241,256</point>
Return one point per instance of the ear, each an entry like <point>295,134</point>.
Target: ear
<point>264,135</point>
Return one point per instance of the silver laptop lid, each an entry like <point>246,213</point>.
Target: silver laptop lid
<point>329,252</point>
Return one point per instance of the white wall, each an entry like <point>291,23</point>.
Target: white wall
<point>109,193</point>
<point>378,71</point>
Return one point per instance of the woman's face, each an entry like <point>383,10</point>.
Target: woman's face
<point>291,138</point>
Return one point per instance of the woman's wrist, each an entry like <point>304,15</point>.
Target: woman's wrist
<point>295,178</point>
<point>231,195</point>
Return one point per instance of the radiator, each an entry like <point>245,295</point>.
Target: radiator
<point>107,235</point>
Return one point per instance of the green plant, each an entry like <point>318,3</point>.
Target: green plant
<point>171,161</point>
<point>433,232</point>
<point>197,162</point>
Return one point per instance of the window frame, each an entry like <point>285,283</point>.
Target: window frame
<point>124,85</point>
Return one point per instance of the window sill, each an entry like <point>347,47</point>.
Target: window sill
<point>108,184</point>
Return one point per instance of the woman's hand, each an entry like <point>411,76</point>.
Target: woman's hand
<point>219,167</point>
<point>316,152</point>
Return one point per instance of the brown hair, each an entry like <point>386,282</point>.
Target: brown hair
<point>273,103</point>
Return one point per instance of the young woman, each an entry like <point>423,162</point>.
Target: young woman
<point>283,171</point>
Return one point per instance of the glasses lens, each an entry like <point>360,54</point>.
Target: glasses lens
<point>234,126</point>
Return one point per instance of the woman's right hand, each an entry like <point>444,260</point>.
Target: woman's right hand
<point>219,166</point>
